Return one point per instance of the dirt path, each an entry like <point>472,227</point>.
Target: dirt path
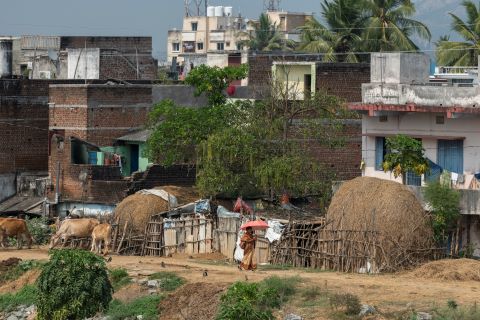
<point>389,292</point>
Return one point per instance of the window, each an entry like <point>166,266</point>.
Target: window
<point>200,46</point>
<point>175,47</point>
<point>380,152</point>
<point>239,46</point>
<point>440,119</point>
<point>228,43</point>
<point>220,46</point>
<point>450,155</point>
<point>194,26</point>
<point>383,118</point>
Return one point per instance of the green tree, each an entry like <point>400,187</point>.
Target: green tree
<point>266,37</point>
<point>74,284</point>
<point>389,26</point>
<point>462,53</point>
<point>405,155</point>
<point>212,81</point>
<point>445,208</point>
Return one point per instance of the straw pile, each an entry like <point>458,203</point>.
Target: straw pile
<point>449,269</point>
<point>138,208</point>
<point>390,210</point>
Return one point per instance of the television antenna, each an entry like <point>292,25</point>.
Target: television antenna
<point>271,5</point>
<point>195,8</point>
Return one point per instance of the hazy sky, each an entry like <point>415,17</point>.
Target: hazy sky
<point>155,17</point>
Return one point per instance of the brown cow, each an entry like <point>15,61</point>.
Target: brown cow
<point>101,233</point>
<point>12,227</point>
<point>73,228</point>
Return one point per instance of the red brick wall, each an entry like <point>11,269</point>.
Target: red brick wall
<point>343,79</point>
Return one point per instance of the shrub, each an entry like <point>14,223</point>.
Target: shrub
<point>276,291</point>
<point>146,306</point>
<point>168,281</point>
<point>39,230</point>
<point>119,277</point>
<point>15,272</point>
<point>26,296</point>
<point>74,284</point>
<point>350,302</point>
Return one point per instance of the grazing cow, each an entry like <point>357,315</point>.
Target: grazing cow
<point>73,228</point>
<point>101,233</point>
<point>12,227</point>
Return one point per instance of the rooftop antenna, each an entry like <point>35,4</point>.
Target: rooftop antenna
<point>195,8</point>
<point>271,5</point>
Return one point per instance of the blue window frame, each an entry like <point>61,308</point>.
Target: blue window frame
<point>380,151</point>
<point>450,155</point>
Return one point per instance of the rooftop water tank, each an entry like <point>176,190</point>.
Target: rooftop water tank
<point>219,11</point>
<point>6,58</point>
<point>210,11</point>
<point>228,11</point>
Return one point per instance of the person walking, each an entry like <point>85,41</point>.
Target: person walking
<point>247,243</point>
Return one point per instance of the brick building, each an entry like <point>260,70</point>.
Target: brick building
<point>84,118</point>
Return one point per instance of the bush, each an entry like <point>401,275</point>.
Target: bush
<point>74,284</point>
<point>26,296</point>
<point>146,306</point>
<point>350,302</point>
<point>39,230</point>
<point>256,301</point>
<point>168,281</point>
<point>15,272</point>
<point>119,278</point>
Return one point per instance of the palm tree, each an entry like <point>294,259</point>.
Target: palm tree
<point>266,37</point>
<point>462,53</point>
<point>389,27</point>
<point>340,35</point>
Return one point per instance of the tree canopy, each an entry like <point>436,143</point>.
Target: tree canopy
<point>462,53</point>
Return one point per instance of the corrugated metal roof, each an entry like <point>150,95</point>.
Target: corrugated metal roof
<point>20,203</point>
<point>40,42</point>
<point>139,136</point>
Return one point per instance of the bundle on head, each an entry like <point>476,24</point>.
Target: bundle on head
<point>391,213</point>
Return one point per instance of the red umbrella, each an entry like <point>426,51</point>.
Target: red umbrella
<point>255,225</point>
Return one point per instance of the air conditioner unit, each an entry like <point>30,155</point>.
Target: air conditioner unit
<point>45,74</point>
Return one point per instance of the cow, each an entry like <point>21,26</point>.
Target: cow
<point>13,227</point>
<point>73,228</point>
<point>101,233</point>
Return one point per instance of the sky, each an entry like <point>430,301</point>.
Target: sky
<point>155,17</point>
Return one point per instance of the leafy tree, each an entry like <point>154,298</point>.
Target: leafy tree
<point>73,285</point>
<point>266,37</point>
<point>462,53</point>
<point>389,27</point>
<point>445,207</point>
<point>214,80</point>
<point>354,26</point>
<point>405,155</point>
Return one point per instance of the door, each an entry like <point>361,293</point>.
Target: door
<point>450,155</point>
<point>307,85</point>
<point>134,156</point>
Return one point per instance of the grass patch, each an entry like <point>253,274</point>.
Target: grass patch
<point>455,312</point>
<point>15,272</point>
<point>168,281</point>
<point>146,306</point>
<point>119,278</point>
<point>245,301</point>
<point>26,296</point>
<point>273,267</point>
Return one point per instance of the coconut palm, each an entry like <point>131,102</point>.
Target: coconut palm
<point>266,37</point>
<point>341,34</point>
<point>389,27</point>
<point>462,53</point>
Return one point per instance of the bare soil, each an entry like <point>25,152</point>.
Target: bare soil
<point>387,292</point>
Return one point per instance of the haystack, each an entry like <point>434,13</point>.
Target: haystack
<point>134,212</point>
<point>449,269</point>
<point>392,212</point>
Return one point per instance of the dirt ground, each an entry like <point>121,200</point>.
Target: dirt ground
<point>389,293</point>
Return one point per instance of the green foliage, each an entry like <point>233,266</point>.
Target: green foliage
<point>462,53</point>
<point>256,301</point>
<point>347,301</point>
<point>74,284</point>
<point>40,230</point>
<point>404,155</point>
<point>212,81</point>
<point>168,281</point>
<point>455,312</point>
<point>146,306</point>
<point>26,296</point>
<point>119,278</point>
<point>15,272</point>
<point>445,207</point>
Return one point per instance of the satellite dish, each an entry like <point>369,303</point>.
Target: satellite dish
<point>53,54</point>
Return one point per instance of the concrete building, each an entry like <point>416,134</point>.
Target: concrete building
<point>288,22</point>
<point>445,117</point>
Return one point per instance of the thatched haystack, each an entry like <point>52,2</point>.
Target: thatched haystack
<point>134,212</point>
<point>391,211</point>
<point>449,269</point>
